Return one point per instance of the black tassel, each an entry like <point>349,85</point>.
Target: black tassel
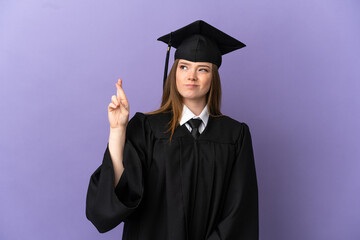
<point>167,61</point>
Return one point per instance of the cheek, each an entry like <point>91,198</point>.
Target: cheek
<point>179,79</point>
<point>179,75</point>
<point>178,86</point>
<point>207,84</point>
<point>177,82</point>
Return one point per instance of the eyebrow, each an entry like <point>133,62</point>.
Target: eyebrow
<point>204,66</point>
<point>185,63</point>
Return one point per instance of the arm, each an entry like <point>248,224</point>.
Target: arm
<point>239,218</point>
<point>106,205</point>
<point>116,149</point>
<point>118,113</point>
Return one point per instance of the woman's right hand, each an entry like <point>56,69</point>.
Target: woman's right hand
<point>118,109</point>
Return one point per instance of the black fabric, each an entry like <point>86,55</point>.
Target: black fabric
<point>201,42</point>
<point>186,189</point>
<point>194,124</point>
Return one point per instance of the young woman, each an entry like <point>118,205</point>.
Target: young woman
<point>184,171</point>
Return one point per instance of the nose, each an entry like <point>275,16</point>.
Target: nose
<point>192,75</point>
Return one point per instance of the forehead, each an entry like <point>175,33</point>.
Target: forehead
<point>183,61</point>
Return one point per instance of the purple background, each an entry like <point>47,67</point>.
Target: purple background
<point>296,85</point>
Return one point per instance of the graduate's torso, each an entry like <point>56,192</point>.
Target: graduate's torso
<point>185,179</point>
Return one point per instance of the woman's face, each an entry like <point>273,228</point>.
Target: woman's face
<point>193,80</point>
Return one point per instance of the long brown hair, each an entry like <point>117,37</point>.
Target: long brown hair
<point>172,100</point>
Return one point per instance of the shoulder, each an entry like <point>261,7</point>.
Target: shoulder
<point>227,122</point>
<point>153,122</point>
<point>229,129</point>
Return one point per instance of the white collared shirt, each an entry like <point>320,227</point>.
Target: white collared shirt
<point>187,114</point>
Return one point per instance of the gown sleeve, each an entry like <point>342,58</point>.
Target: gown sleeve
<point>106,206</point>
<point>239,218</point>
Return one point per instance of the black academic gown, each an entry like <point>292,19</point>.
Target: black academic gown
<point>186,189</point>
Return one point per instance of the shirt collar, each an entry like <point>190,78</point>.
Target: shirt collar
<point>187,114</point>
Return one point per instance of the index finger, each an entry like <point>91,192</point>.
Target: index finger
<point>120,92</point>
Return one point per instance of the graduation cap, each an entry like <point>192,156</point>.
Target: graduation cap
<point>199,42</point>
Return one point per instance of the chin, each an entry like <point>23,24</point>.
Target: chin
<point>193,98</point>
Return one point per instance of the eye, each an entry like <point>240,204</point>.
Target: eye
<point>183,67</point>
<point>203,70</point>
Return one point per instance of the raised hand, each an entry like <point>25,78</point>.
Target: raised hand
<point>118,109</point>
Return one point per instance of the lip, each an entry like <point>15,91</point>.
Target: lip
<point>191,85</point>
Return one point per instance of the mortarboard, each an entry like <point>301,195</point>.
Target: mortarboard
<point>199,42</point>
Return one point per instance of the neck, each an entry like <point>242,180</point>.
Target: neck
<point>196,106</point>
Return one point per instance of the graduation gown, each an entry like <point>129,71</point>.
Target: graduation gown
<point>186,189</point>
